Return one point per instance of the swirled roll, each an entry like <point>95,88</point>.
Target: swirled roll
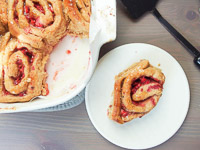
<point>77,13</point>
<point>3,17</point>
<point>36,22</point>
<point>22,74</point>
<point>136,92</point>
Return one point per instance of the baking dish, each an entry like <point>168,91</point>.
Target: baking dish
<point>73,60</point>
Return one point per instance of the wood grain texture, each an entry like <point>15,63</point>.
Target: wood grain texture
<point>72,129</point>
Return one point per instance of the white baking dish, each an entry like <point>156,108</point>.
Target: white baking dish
<point>73,60</point>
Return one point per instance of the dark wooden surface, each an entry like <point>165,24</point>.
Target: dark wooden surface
<point>72,129</point>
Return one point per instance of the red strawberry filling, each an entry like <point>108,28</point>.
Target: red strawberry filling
<point>156,86</point>
<point>35,21</point>
<point>31,19</point>
<point>21,75</point>
<point>153,101</point>
<point>21,66</point>
<point>140,103</point>
<point>142,81</point>
<point>124,113</point>
<point>26,9</point>
<point>28,54</point>
<point>39,7</point>
<point>16,16</point>
<point>22,94</point>
<point>5,92</point>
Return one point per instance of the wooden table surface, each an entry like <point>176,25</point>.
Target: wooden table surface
<point>72,129</point>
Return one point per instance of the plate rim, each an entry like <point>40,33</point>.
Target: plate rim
<point>180,123</point>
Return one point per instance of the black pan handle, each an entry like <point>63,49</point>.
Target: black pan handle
<point>179,37</point>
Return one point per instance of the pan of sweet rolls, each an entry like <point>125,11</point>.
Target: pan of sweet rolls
<point>29,30</point>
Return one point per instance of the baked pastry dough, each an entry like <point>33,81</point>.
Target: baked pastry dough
<point>22,74</point>
<point>77,14</point>
<point>37,22</point>
<point>2,29</point>
<point>136,92</point>
<point>3,16</point>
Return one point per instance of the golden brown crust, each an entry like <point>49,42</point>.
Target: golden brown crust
<point>3,12</point>
<point>38,22</point>
<point>22,72</point>
<point>136,92</point>
<point>3,17</point>
<point>77,13</point>
<point>4,41</point>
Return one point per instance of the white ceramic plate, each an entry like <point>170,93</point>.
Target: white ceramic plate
<point>157,126</point>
